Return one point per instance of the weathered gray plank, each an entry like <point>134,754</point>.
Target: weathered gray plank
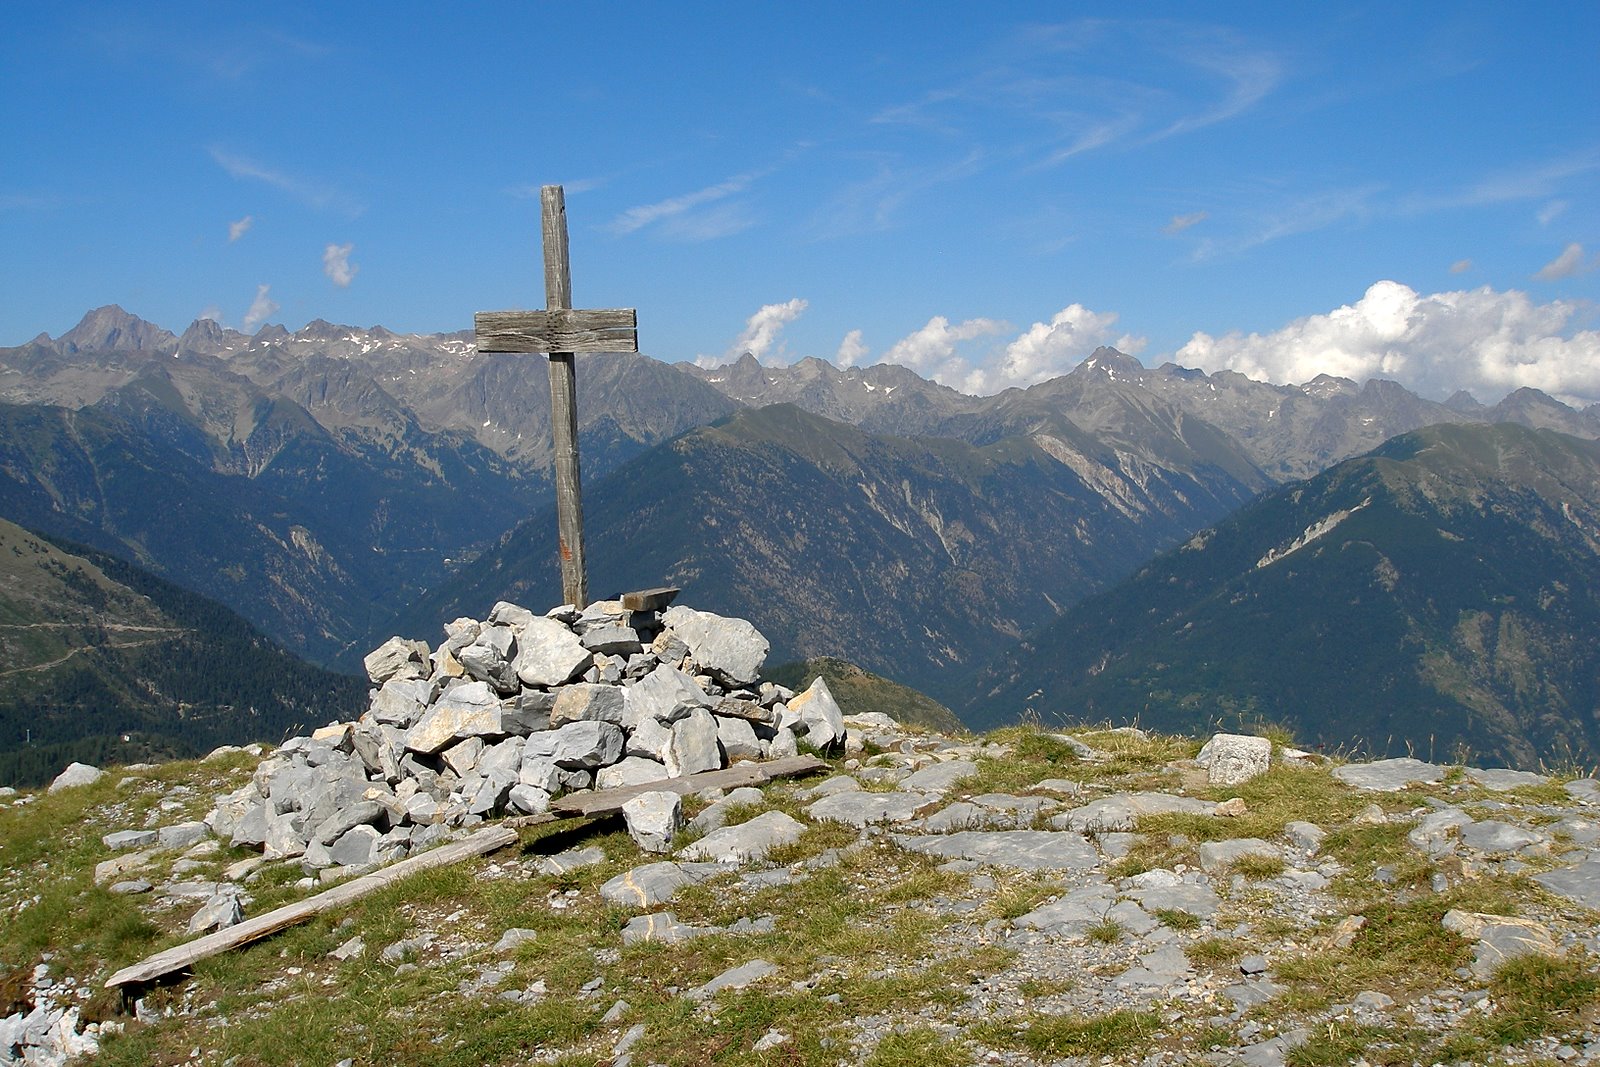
<point>569,481</point>
<point>558,330</point>
<point>610,801</point>
<point>564,403</point>
<point>557,266</point>
<point>181,956</point>
<point>649,599</point>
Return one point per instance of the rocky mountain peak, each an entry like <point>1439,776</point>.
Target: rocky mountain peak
<point>208,337</point>
<point>1464,402</point>
<point>110,328</point>
<point>1111,363</point>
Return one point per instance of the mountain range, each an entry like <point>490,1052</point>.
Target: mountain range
<point>102,660</point>
<point>1438,595</point>
<point>337,484</point>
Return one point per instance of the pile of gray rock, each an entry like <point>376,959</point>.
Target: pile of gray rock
<point>513,710</point>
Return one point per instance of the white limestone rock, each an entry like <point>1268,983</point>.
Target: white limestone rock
<point>76,774</point>
<point>582,701</point>
<point>653,818</point>
<point>1230,759</point>
<point>820,714</point>
<point>549,654</point>
<point>694,745</point>
<point>730,648</point>
<point>398,657</point>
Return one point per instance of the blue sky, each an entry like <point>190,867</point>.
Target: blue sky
<point>981,191</point>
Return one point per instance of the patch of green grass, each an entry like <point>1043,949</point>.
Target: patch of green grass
<point>1046,987</point>
<point>1152,851</point>
<point>1105,932</point>
<point>1213,1036</point>
<point>1177,919</point>
<point>1337,1044</point>
<point>919,1047</point>
<point>1035,755</point>
<point>1118,1033</point>
<point>1534,997</point>
<point>1020,896</point>
<point>1215,951</point>
<point>1258,866</point>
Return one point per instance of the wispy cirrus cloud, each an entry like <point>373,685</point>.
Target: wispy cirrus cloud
<point>1180,223</point>
<point>229,54</point>
<point>20,202</point>
<point>1019,104</point>
<point>676,216</point>
<point>1291,216</point>
<point>872,203</point>
<point>1530,181</point>
<point>240,227</point>
<point>308,192</point>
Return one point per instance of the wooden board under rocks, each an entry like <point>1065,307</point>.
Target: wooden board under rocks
<point>610,801</point>
<point>182,956</point>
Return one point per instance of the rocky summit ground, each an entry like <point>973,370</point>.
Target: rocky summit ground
<point>1030,897</point>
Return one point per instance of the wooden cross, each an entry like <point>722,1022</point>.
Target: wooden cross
<point>561,332</point>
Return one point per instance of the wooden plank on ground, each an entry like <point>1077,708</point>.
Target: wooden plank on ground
<point>610,801</point>
<point>650,599</point>
<point>182,956</point>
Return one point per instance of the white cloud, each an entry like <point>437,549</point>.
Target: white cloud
<point>260,308</point>
<point>673,208</point>
<point>1568,263</point>
<point>238,229</point>
<point>337,266</point>
<point>1049,349</point>
<point>1306,214</point>
<point>1550,211</point>
<point>212,312</point>
<point>852,350</point>
<point>312,194</point>
<point>761,330</point>
<point>1461,266</point>
<point>932,350</point>
<point>1482,340</point>
<point>1180,223</point>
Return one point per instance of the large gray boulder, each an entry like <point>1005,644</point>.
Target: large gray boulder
<point>653,818</point>
<point>400,702</point>
<point>1230,759</point>
<point>1389,775</point>
<point>468,710</point>
<point>632,770</point>
<point>694,745</point>
<point>489,658</point>
<point>398,657</point>
<point>650,739</point>
<point>738,739</point>
<point>748,841</point>
<point>732,649</point>
<point>584,745</point>
<point>75,775</point>
<point>666,694</point>
<point>549,654</point>
<point>583,701</point>
<point>820,715</point>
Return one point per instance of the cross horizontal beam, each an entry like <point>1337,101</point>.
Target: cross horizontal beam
<point>558,330</point>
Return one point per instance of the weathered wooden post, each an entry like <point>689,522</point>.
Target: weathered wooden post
<point>561,333</point>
